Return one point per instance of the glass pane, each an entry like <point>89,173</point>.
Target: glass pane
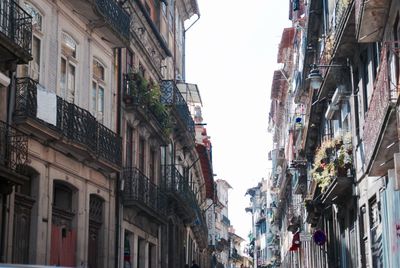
<point>93,102</point>
<point>100,105</point>
<point>71,83</point>
<point>98,70</point>
<point>63,78</point>
<point>35,63</point>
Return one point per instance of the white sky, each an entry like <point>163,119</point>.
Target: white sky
<point>231,54</point>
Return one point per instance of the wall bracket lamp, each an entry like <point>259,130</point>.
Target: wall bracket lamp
<point>315,76</point>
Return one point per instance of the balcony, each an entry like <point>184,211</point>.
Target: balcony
<point>140,192</point>
<point>146,100</point>
<point>177,188</point>
<point>172,97</point>
<point>13,154</point>
<point>66,127</point>
<point>299,181</point>
<point>15,33</point>
<point>371,19</point>
<point>199,226</point>
<point>107,17</point>
<point>380,127</point>
<point>341,15</point>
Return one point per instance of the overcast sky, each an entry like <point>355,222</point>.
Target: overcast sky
<point>231,54</point>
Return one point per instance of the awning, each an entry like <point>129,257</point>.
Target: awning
<point>190,92</point>
<point>286,45</point>
<point>279,85</point>
<point>206,168</point>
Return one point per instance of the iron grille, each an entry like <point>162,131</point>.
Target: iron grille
<point>96,209</point>
<point>171,96</point>
<point>115,15</point>
<point>75,123</point>
<point>138,188</point>
<point>384,96</point>
<point>13,147</point>
<point>16,24</point>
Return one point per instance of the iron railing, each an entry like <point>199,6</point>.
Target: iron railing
<point>115,15</point>
<point>384,96</point>
<point>171,96</point>
<point>75,123</point>
<point>138,188</point>
<point>13,147</point>
<point>175,182</point>
<point>16,24</point>
<point>135,95</point>
<point>178,185</point>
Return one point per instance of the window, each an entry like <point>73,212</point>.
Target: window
<point>33,68</point>
<point>129,61</point>
<point>152,174</point>
<point>129,146</point>
<point>62,197</point>
<point>68,68</point>
<point>98,86</point>
<point>34,65</point>
<point>141,154</point>
<point>36,16</point>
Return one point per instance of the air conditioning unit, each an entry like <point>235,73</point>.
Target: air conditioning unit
<point>332,108</point>
<point>340,94</point>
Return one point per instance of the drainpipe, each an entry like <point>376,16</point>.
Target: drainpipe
<point>117,181</point>
<point>355,142</point>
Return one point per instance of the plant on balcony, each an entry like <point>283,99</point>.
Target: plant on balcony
<point>333,159</point>
<point>147,94</point>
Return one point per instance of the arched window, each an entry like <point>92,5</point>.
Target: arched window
<point>68,67</point>
<point>98,88</point>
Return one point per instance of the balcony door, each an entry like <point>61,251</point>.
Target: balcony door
<point>95,224</point>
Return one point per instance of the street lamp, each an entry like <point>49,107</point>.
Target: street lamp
<point>315,76</point>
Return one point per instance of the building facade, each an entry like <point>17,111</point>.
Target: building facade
<point>99,158</point>
<point>336,99</point>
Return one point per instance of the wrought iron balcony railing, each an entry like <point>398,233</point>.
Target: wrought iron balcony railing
<point>171,96</point>
<point>13,147</point>
<point>383,97</point>
<point>16,26</point>
<point>175,182</point>
<point>136,94</point>
<point>75,123</point>
<point>115,15</point>
<point>138,188</point>
<point>177,185</point>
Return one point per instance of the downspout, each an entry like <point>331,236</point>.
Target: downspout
<point>174,56</point>
<point>355,142</point>
<point>117,181</point>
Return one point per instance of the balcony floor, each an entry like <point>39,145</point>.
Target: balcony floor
<point>386,147</point>
<point>373,20</point>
